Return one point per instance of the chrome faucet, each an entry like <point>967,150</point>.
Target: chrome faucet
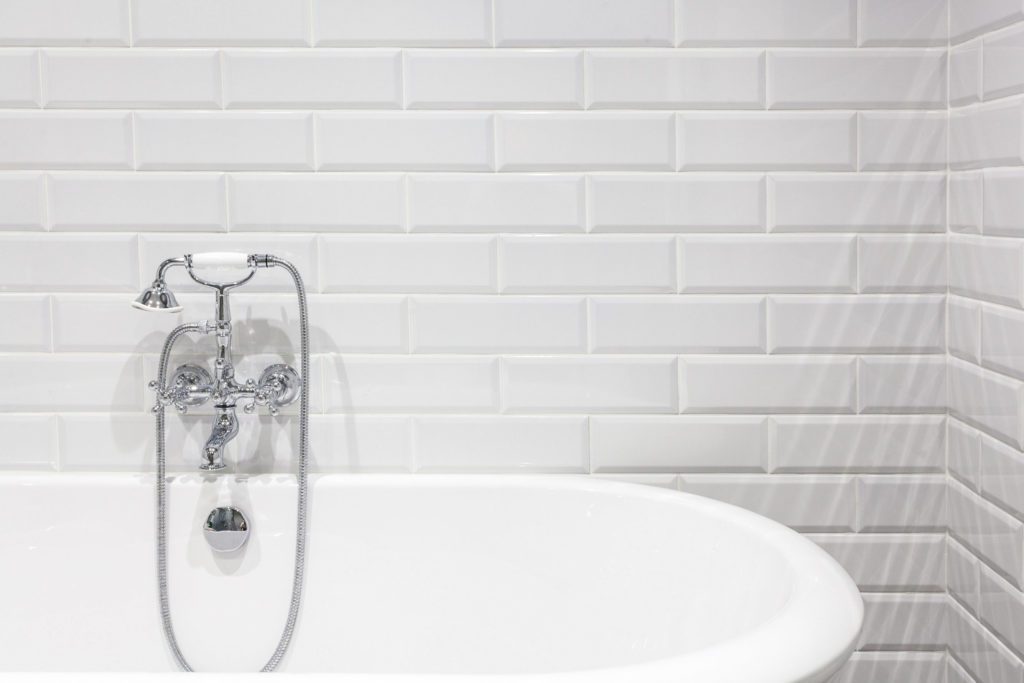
<point>192,385</point>
<point>225,428</point>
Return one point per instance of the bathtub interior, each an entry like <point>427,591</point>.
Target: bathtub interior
<point>491,578</point>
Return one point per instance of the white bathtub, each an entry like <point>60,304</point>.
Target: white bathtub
<point>421,577</point>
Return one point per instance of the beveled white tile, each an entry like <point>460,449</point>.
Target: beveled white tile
<point>1001,65</point>
<point>987,400</point>
<point>561,141</point>
<point>138,78</point>
<point>30,442</point>
<point>227,22</point>
<point>301,250</point>
<point>27,324</point>
<point>123,442</point>
<point>889,562</point>
<point>648,443</point>
<point>49,262</point>
<point>989,532</point>
<point>322,78</point>
<point>987,135</point>
<point>19,78</point>
<point>64,22</point>
<point>686,324</point>
<point>360,443</point>
<point>900,24</point>
<point>964,453</point>
<point>1002,609</point>
<point>856,324</point>
<point>519,23</point>
<point>901,503</point>
<point>846,202</point>
<point>901,141</point>
<point>806,503</point>
<point>769,264</point>
<point>548,264</point>
<point>966,195</point>
<point>442,202</point>
<point>22,201</point>
<point>1001,331</point>
<point>969,18</point>
<point>406,263</point>
<point>752,384</point>
<point>324,202</point>
<point>1001,474</point>
<point>135,201</point>
<point>766,22</point>
<point>965,78</point>
<point>914,622</point>
<point>863,78</point>
<point>964,582</point>
<point>978,651</point>
<point>47,382</point>
<point>405,141</point>
<point>964,329</point>
<point>83,322</point>
<point>735,202</point>
<point>440,23</point>
<point>902,385</point>
<point>498,324</point>
<point>1003,202</point>
<point>990,269</point>
<point>899,263</point>
<point>501,444</point>
<point>494,79</point>
<point>859,443</point>
<point>224,141</point>
<point>669,79</point>
<point>51,140</point>
<point>369,384</point>
<point>591,384</point>
<point>756,141</point>
<point>346,323</point>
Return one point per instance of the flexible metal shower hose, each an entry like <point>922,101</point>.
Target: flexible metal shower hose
<point>300,520</point>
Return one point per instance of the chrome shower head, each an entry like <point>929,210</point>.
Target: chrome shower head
<point>157,297</point>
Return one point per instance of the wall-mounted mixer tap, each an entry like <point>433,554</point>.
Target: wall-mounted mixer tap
<point>192,385</point>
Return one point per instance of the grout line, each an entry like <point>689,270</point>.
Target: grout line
<point>44,210</point>
<point>40,78</point>
<point>53,323</point>
<point>131,22</point>
<point>494,23</point>
<point>314,128</point>
<point>311,9</point>
<point>222,80</point>
<point>229,191</point>
<point>403,78</point>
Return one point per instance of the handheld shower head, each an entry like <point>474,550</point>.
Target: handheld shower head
<point>157,297</point>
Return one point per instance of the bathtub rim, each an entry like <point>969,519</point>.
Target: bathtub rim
<point>767,648</point>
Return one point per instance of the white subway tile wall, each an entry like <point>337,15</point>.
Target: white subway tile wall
<point>699,244</point>
<point>985,579</point>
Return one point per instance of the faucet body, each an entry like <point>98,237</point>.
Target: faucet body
<point>192,385</point>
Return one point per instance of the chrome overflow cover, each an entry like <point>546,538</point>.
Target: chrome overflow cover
<point>226,529</point>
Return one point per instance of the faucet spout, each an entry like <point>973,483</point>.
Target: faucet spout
<point>225,428</point>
